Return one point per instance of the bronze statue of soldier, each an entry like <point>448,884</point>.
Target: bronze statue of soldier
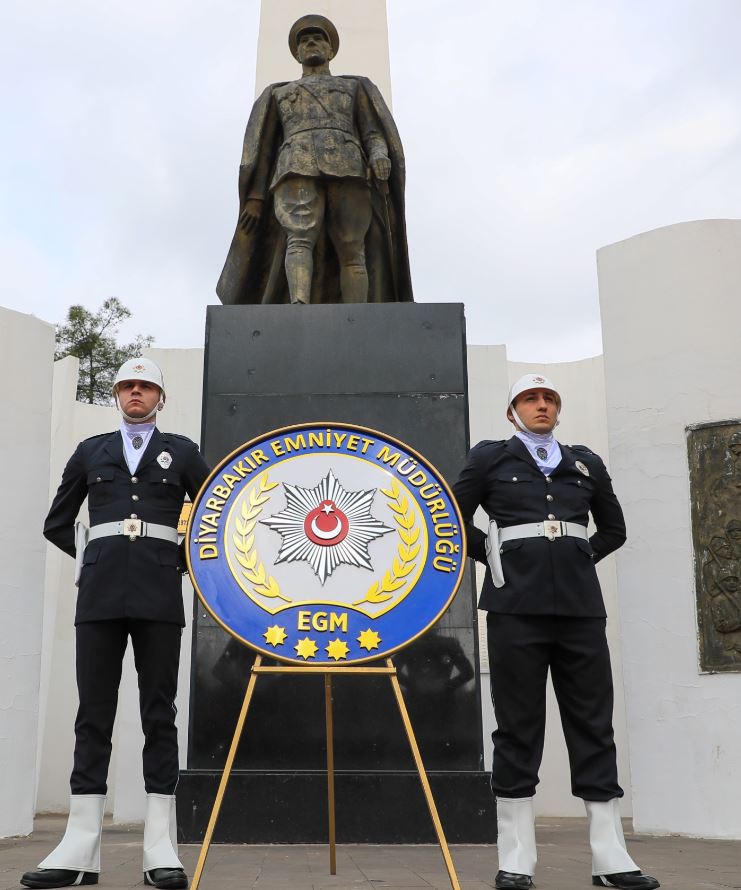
<point>321,189</point>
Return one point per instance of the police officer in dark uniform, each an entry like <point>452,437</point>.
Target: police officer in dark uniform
<point>545,611</point>
<point>129,579</point>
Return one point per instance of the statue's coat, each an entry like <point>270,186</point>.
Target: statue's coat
<point>254,270</point>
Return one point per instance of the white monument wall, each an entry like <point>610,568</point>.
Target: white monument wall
<point>27,349</point>
<point>584,422</point>
<point>671,317</point>
<point>72,421</point>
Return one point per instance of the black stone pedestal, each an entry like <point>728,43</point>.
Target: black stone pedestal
<point>399,369</point>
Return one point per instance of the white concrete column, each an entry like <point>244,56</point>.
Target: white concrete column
<point>72,421</point>
<point>671,319</point>
<point>27,348</point>
<point>361,25</point>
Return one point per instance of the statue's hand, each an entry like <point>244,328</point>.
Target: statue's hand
<point>249,217</point>
<point>381,168</point>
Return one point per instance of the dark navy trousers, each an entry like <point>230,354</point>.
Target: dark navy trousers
<point>100,650</point>
<point>522,649</point>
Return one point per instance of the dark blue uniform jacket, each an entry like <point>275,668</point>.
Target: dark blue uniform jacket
<point>122,578</point>
<point>542,577</point>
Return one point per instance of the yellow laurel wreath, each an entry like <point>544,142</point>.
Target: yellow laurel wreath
<point>244,540</point>
<point>407,551</point>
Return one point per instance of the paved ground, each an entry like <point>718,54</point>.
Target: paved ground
<point>679,863</point>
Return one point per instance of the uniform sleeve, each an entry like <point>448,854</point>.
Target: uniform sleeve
<point>59,527</point>
<point>196,472</point>
<point>469,492</point>
<point>607,514</point>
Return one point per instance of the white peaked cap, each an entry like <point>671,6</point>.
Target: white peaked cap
<point>140,369</point>
<point>532,381</point>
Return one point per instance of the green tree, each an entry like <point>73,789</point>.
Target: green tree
<point>91,337</point>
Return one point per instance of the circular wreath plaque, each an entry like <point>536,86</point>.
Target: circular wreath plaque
<point>325,544</point>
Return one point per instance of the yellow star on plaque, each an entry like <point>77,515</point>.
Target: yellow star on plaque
<point>275,635</point>
<point>369,639</point>
<point>306,648</point>
<point>337,649</point>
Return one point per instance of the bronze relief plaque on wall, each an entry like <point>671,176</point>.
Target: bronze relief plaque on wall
<point>714,451</point>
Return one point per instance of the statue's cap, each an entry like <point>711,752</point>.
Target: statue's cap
<point>311,23</point>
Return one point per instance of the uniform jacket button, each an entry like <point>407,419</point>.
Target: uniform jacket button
<point>551,516</point>
<point>514,479</point>
<point>549,497</point>
<point>134,497</point>
<point>134,479</point>
<point>98,479</point>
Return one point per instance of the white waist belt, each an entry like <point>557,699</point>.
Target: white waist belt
<point>133,528</point>
<point>550,528</point>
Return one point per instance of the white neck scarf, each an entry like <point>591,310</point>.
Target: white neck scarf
<point>128,432</point>
<point>544,449</point>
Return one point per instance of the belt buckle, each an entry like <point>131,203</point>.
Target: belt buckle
<point>132,528</point>
<point>553,529</point>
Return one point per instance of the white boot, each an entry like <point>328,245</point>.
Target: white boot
<point>79,849</point>
<point>160,833</point>
<point>516,835</point>
<point>609,855</point>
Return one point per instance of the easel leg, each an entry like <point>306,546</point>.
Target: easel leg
<point>225,777</point>
<point>423,779</point>
<point>330,772</point>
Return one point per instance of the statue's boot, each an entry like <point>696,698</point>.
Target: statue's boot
<point>299,267</point>
<point>75,860</point>
<point>612,865</point>
<point>162,868</point>
<point>515,843</point>
<point>354,281</point>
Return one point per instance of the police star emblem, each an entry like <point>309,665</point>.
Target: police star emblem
<point>326,526</point>
<point>582,468</point>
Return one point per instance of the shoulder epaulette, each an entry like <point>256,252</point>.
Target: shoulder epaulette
<point>490,442</point>
<point>179,436</point>
<point>581,448</point>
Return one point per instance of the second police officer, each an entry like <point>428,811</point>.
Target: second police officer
<point>546,612</point>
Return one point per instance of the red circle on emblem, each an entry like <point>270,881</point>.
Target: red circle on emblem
<point>326,524</point>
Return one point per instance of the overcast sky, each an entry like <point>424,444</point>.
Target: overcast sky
<point>535,133</point>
